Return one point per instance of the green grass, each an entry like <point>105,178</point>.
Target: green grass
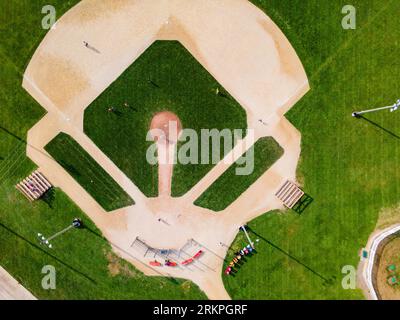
<point>229,186</point>
<point>81,257</point>
<point>87,172</point>
<point>348,166</point>
<point>164,77</point>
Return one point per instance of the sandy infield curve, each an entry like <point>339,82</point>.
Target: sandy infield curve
<point>238,44</point>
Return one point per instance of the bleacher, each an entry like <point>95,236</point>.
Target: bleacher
<point>289,193</point>
<point>34,186</point>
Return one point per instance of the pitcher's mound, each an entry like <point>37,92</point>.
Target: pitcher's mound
<point>166,126</point>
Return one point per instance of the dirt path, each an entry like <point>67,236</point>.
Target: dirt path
<point>238,44</point>
<point>10,289</point>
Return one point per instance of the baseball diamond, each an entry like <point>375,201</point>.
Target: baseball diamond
<point>209,149</point>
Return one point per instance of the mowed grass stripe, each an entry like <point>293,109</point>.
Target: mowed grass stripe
<point>93,176</point>
<point>101,176</point>
<point>10,160</point>
<point>85,162</point>
<point>111,190</point>
<point>83,168</point>
<point>229,186</point>
<point>17,162</point>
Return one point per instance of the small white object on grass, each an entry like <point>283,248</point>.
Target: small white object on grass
<point>395,106</point>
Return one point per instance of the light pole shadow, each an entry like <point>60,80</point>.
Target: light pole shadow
<point>379,127</point>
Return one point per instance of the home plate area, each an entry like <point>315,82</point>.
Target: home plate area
<point>192,256</point>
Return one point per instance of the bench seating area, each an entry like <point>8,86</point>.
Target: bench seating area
<point>34,186</point>
<point>289,193</point>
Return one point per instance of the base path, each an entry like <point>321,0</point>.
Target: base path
<point>239,45</point>
<point>10,289</point>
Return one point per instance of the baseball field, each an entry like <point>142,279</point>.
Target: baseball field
<point>347,166</point>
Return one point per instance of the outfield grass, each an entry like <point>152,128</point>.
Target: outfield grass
<point>165,77</point>
<point>348,166</point>
<point>87,172</point>
<point>83,259</point>
<point>229,186</point>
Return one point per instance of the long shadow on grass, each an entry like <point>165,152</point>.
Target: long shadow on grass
<point>12,134</point>
<point>49,197</point>
<point>303,203</point>
<point>171,279</point>
<point>379,127</point>
<point>47,253</point>
<point>25,142</point>
<point>326,280</point>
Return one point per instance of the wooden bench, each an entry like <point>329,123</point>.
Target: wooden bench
<point>289,193</point>
<point>34,186</point>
